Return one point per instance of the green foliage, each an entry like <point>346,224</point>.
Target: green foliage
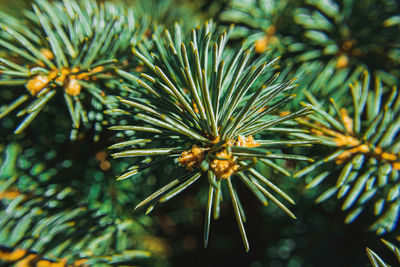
<point>217,109</point>
<point>353,32</point>
<point>200,104</point>
<point>312,76</point>
<point>41,215</point>
<point>161,13</point>
<point>366,151</point>
<point>261,22</point>
<point>304,31</point>
<point>65,57</point>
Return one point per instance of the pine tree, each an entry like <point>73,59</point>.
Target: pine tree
<point>185,108</point>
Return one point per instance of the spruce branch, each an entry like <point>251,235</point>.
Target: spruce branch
<point>366,146</point>
<point>40,218</point>
<point>71,53</point>
<point>267,24</point>
<point>353,33</point>
<point>200,107</point>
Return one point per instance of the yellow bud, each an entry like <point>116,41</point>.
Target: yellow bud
<point>73,88</point>
<point>37,84</point>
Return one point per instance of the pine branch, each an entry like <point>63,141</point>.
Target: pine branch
<point>41,216</point>
<point>70,52</point>
<point>353,33</point>
<point>200,106</point>
<point>365,138</point>
<point>267,24</point>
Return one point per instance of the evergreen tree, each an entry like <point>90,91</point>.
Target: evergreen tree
<point>186,108</point>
